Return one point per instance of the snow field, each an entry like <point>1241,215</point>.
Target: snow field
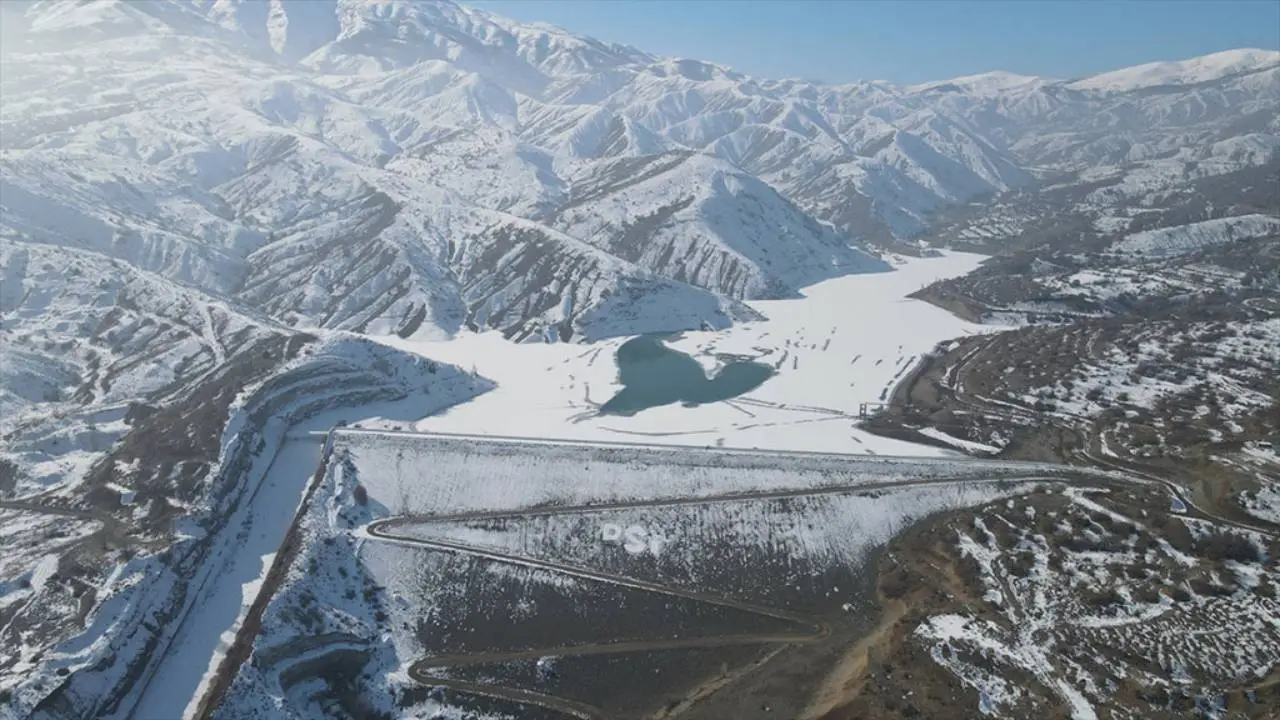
<point>846,342</point>
<point>705,546</point>
<point>426,475</point>
<point>1183,239</point>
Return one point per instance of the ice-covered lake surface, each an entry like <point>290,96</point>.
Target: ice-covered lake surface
<point>846,342</point>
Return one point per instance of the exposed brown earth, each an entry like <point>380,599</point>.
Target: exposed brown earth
<point>891,674</point>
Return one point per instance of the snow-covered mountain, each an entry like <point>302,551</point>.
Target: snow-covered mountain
<point>389,166</point>
<point>417,167</point>
<point>202,200</point>
<point>1185,72</point>
<point>401,176</point>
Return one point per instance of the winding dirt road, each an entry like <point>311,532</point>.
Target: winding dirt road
<point>1085,429</point>
<point>808,628</point>
<point>799,628</point>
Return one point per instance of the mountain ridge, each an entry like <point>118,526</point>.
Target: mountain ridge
<point>207,205</point>
<point>440,107</point>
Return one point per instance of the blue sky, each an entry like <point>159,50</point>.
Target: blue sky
<point>910,41</point>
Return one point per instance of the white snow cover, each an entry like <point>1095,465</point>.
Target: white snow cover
<point>464,479</point>
<point>846,342</point>
<point>192,125</point>
<point>214,564</point>
<point>984,83</point>
<point>81,336</point>
<point>177,173</point>
<point>1261,460</point>
<point>1265,503</point>
<point>403,383</point>
<point>1183,239</point>
<point>965,445</point>
<point>1182,72</point>
<point>444,186</point>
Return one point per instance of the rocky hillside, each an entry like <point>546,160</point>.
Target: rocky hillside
<point>416,167</point>
<point>203,202</point>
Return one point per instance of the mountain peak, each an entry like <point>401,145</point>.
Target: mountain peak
<point>358,36</point>
<point>994,81</point>
<point>1180,72</point>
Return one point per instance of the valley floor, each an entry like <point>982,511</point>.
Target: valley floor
<point>846,342</point>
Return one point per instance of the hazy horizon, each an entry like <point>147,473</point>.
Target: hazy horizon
<point>914,42</point>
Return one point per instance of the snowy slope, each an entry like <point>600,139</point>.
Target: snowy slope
<point>186,185</point>
<point>729,232</point>
<point>316,615</point>
<point>991,82</point>
<point>143,647</point>
<point>81,337</point>
<point>437,105</point>
<point>191,169</point>
<point>422,168</point>
<point>1196,236</point>
<point>1185,72</point>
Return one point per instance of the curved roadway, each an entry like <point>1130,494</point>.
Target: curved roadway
<point>952,383</point>
<point>809,628</point>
